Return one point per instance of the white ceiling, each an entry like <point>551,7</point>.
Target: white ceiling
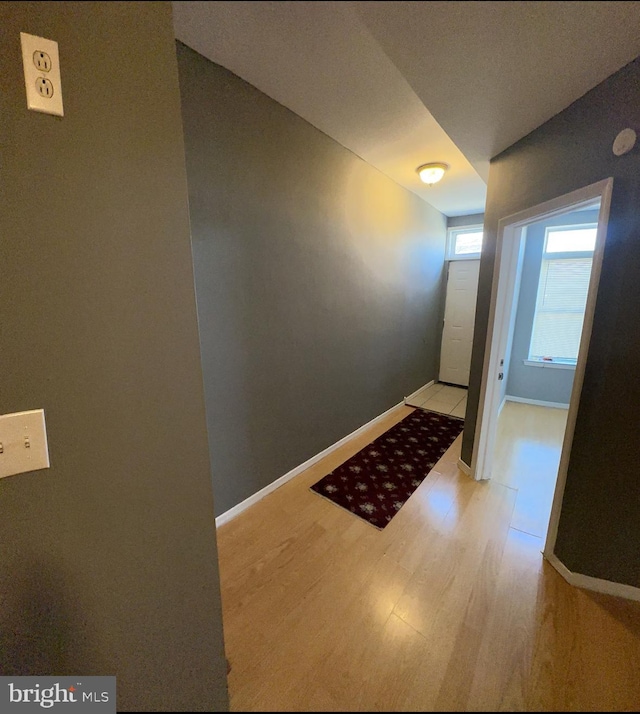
<point>399,83</point>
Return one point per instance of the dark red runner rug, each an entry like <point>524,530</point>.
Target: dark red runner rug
<point>376,482</point>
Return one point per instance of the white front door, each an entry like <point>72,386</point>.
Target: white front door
<point>459,318</point>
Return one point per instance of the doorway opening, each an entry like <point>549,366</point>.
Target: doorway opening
<point>462,265</point>
<point>537,341</point>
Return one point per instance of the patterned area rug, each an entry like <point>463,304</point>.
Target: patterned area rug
<point>376,482</point>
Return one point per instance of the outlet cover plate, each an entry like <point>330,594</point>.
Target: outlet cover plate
<point>33,47</point>
<point>23,440</point>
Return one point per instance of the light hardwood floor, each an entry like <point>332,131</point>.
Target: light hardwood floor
<point>527,456</point>
<point>449,608</point>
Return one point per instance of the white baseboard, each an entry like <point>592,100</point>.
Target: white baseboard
<point>537,402</point>
<point>240,507</point>
<point>415,394</point>
<point>464,467</point>
<point>586,582</point>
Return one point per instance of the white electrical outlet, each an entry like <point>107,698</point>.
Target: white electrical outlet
<point>23,443</point>
<point>41,65</point>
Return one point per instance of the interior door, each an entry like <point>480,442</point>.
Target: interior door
<point>459,317</point>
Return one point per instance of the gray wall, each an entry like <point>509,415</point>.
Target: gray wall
<point>598,530</point>
<point>461,221</point>
<point>318,281</point>
<point>548,384</point>
<point>108,561</point>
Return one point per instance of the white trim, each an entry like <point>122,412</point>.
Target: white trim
<point>606,188</point>
<point>517,260</point>
<point>553,365</point>
<point>418,391</point>
<point>464,467</point>
<point>509,253</point>
<point>598,585</point>
<point>536,402</point>
<point>502,403</point>
<point>240,507</point>
<point>464,256</point>
<point>509,237</point>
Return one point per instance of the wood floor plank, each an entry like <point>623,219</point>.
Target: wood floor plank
<point>450,607</point>
<point>505,657</point>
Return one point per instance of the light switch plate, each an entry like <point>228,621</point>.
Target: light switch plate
<point>41,65</point>
<point>23,443</point>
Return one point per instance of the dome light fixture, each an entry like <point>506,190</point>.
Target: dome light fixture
<point>431,173</point>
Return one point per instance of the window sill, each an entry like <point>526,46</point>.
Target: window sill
<point>553,365</point>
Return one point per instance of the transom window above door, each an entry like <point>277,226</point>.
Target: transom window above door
<point>464,243</point>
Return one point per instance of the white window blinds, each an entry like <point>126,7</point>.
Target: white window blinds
<point>560,306</point>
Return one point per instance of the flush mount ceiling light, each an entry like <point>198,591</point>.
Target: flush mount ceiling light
<point>431,173</point>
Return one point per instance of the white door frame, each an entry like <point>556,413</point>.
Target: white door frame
<point>500,328</point>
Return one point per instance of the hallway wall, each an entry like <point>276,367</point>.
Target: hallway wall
<point>598,534</point>
<point>108,560</point>
<point>318,280</point>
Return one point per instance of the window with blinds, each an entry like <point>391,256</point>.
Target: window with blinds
<point>562,294</point>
